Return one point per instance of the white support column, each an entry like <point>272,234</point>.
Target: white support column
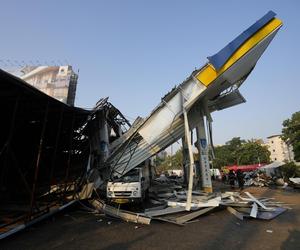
<point>191,158</point>
<point>203,156</point>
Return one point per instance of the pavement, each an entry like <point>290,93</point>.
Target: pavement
<point>78,229</point>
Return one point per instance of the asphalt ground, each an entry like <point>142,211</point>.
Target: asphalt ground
<point>78,229</point>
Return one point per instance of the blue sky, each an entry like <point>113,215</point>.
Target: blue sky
<point>136,51</point>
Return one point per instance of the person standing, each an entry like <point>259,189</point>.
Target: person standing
<point>231,177</point>
<point>240,179</point>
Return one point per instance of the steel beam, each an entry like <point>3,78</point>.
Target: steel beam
<point>37,166</point>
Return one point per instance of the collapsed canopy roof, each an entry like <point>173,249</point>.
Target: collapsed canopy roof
<point>39,141</point>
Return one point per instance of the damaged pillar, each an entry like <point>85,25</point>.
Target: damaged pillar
<point>203,156</point>
<point>99,132</point>
<point>103,137</point>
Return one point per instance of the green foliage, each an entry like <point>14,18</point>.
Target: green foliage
<point>170,162</point>
<point>236,151</point>
<point>234,143</point>
<point>291,133</point>
<point>252,152</point>
<point>240,152</point>
<point>290,170</point>
<point>223,157</point>
<point>158,161</point>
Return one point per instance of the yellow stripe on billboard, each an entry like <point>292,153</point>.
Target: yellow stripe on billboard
<point>209,74</point>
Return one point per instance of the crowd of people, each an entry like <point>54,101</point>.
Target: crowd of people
<point>232,178</point>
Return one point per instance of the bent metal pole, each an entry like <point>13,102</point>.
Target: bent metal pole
<point>191,165</point>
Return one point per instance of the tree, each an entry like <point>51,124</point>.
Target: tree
<point>252,152</point>
<point>235,142</point>
<point>170,162</point>
<point>232,147</point>
<point>291,133</point>
<point>223,157</point>
<point>226,154</point>
<point>240,152</point>
<point>290,170</point>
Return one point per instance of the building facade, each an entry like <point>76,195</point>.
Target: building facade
<point>279,150</point>
<point>59,82</point>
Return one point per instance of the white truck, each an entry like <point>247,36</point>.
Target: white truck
<point>131,187</point>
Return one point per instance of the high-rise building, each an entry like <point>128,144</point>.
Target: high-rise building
<point>279,150</point>
<point>59,82</point>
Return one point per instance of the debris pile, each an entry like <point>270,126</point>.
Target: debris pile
<point>270,175</point>
<point>262,180</point>
<point>168,204</point>
<point>257,179</point>
<point>294,182</point>
<point>251,207</point>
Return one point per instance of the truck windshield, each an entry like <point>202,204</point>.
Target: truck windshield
<point>131,176</point>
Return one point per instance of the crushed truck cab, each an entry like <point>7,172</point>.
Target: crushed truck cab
<point>131,187</point>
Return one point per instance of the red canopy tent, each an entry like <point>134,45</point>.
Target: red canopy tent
<point>244,168</point>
